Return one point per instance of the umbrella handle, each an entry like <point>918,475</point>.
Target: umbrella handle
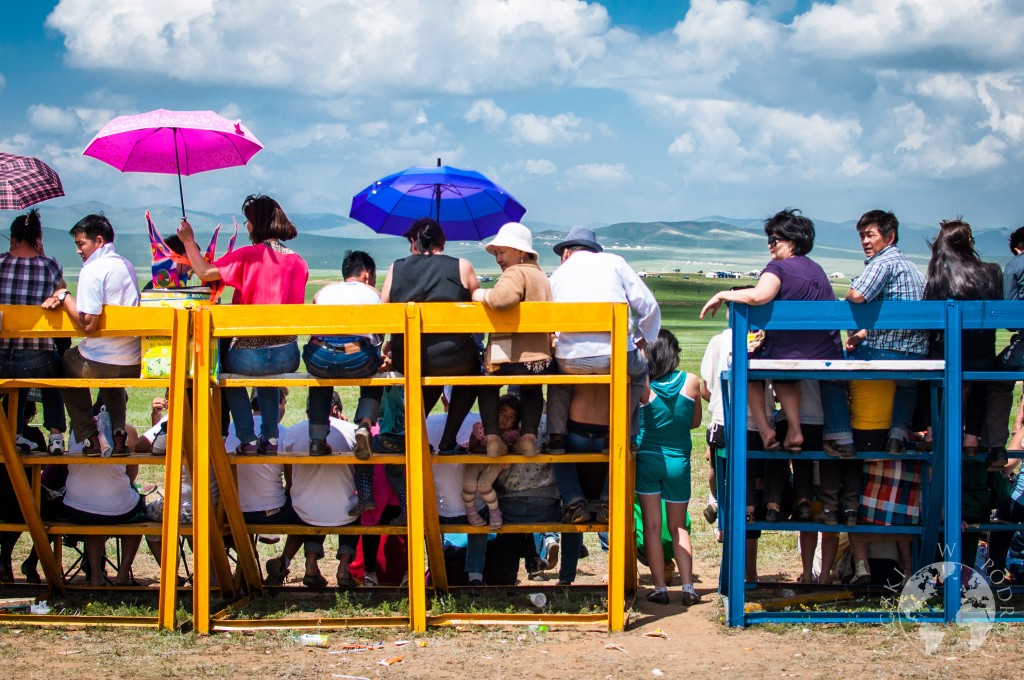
<point>177,163</point>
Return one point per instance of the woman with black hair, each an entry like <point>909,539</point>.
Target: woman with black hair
<point>265,273</point>
<point>790,275</point>
<point>428,275</point>
<point>28,276</point>
<point>955,272</point>
<point>669,409</point>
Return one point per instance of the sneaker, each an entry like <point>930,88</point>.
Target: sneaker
<point>690,599</point>
<point>711,513</point>
<point>266,446</point>
<point>895,447</point>
<point>55,447</point>
<point>319,447</point>
<point>576,513</point>
<point>772,515</point>
<point>862,573</point>
<point>830,517</point>
<point>120,438</point>
<point>25,445</point>
<point>556,443</point>
<point>494,518</point>
<point>602,512</point>
<point>362,450</point>
<point>850,518</point>
<point>997,458</point>
<point>245,449</point>
<point>362,506</point>
<point>802,512</point>
<point>92,446</point>
<point>551,548</point>
<point>840,450</point>
<point>658,596</point>
<point>474,518</point>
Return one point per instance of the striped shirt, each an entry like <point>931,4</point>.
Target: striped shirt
<point>890,275</point>
<point>27,281</point>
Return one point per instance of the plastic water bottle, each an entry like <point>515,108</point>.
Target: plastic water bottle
<point>106,433</point>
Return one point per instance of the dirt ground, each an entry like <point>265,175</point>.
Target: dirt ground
<point>695,645</point>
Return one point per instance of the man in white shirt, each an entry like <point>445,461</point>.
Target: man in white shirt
<point>106,279</point>
<point>587,274</point>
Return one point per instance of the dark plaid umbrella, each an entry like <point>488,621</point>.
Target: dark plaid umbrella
<point>25,181</point>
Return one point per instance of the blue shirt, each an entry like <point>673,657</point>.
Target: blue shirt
<point>890,275</point>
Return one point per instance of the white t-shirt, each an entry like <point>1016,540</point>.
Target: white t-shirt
<point>718,358</point>
<point>261,485</point>
<point>99,489</point>
<point>108,279</point>
<point>186,481</point>
<point>448,476</point>
<point>323,495</point>
<point>348,293</point>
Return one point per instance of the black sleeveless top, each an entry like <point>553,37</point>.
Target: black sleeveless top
<point>429,278</point>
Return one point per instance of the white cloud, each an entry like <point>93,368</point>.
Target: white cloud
<point>682,145</point>
<point>92,120</point>
<point>455,46</point>
<point>563,128</point>
<point>487,112</point>
<point>949,87</point>
<point>421,117</point>
<point>52,119</point>
<point>374,129</point>
<point>1003,99</point>
<point>3,81</point>
<point>541,166</point>
<point>231,111</point>
<point>323,135</point>
<point>599,173</point>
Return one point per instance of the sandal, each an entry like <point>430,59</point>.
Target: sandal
<point>343,577</point>
<point>314,581</point>
<point>370,580</point>
<point>276,572</point>
<point>474,518</point>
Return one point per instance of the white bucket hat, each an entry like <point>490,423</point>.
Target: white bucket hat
<point>513,235</point>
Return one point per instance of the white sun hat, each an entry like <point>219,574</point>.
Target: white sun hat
<point>513,235</point>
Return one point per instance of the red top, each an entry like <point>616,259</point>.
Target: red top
<point>263,276</point>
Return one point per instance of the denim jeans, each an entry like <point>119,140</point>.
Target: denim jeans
<point>559,396</point>
<point>324,362</point>
<point>567,475</point>
<point>905,400</point>
<point>476,548</point>
<point>522,510</point>
<point>260,361</point>
<point>36,363</point>
<point>835,408</point>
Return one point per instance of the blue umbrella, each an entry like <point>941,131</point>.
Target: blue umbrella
<point>468,206</point>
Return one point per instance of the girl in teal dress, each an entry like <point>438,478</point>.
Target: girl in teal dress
<point>670,408</point>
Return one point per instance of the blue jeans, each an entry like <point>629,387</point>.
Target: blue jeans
<point>835,408</point>
<point>476,544</point>
<point>36,363</point>
<point>260,361</point>
<point>905,400</point>
<point>567,475</point>
<point>323,362</point>
<point>523,510</point>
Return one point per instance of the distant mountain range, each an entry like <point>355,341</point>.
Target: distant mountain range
<point>712,242</point>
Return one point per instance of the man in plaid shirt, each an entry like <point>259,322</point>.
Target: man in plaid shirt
<point>888,275</point>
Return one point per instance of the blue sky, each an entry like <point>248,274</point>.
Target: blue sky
<point>586,112</point>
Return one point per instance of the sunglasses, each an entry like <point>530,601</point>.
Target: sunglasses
<point>772,240</point>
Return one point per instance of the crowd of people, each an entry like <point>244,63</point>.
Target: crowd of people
<point>665,402</point>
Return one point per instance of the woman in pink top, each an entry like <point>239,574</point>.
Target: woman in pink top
<point>265,273</point>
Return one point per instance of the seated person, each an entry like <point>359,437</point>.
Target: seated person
<point>105,494</point>
<point>322,496</point>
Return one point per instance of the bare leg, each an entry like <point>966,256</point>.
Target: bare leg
<point>906,559</point>
<point>650,510</point>
<point>755,392</point>
<point>129,548</point>
<point>829,548</point>
<point>676,515</point>
<point>808,544</point>
<point>751,564</point>
<point>789,397</point>
<point>94,551</point>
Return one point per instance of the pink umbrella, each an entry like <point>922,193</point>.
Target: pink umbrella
<point>173,142</point>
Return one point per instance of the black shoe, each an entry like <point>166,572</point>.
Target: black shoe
<point>120,443</point>
<point>658,597</point>
<point>92,446</point>
<point>841,450</point>
<point>711,513</point>
<point>690,599</point>
<point>576,513</point>
<point>556,443</point>
<point>319,447</point>
<point>997,458</point>
<point>602,512</point>
<point>584,552</point>
<point>895,447</point>
<point>476,582</point>
<point>850,518</point>
<point>771,515</point>
<point>830,517</point>
<point>802,512</point>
